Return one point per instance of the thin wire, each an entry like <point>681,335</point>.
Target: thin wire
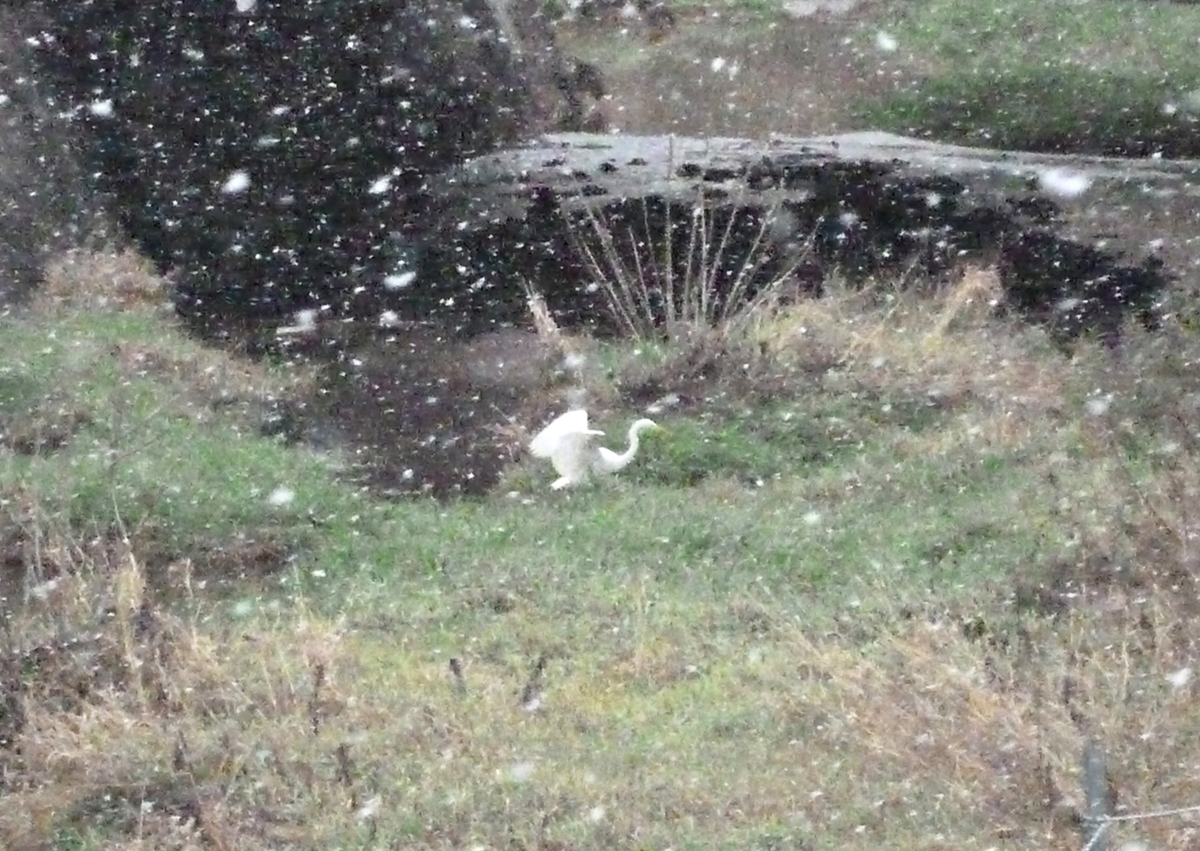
<point>1107,821</point>
<point>1100,831</point>
<point>1153,814</point>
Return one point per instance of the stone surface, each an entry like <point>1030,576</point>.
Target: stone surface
<point>864,204</point>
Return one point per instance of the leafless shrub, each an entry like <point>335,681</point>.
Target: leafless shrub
<point>663,276</point>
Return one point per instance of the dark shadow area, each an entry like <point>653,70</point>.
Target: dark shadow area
<point>46,203</point>
<point>423,413</point>
<point>270,157</point>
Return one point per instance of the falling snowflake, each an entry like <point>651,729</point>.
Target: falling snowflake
<point>101,108</point>
<point>1064,182</point>
<point>381,185</point>
<point>43,590</point>
<point>1179,679</point>
<point>399,281</point>
<point>1098,406</point>
<point>281,496</point>
<point>237,182</point>
<point>245,5</point>
<point>886,42</point>
<point>671,400</point>
<point>370,809</point>
<point>717,64</point>
<point>521,772</point>
<point>306,321</point>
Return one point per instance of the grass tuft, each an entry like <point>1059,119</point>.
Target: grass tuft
<point>679,270</point>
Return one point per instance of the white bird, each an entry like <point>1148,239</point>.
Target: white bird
<point>570,446</point>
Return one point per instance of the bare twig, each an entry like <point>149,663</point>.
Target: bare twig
<point>531,693</point>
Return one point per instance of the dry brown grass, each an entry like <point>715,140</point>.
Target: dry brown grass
<point>210,377</point>
<point>949,341</point>
<point>949,348</point>
<point>115,279</point>
<point>122,714</point>
<point>153,731</point>
<point>1000,720</point>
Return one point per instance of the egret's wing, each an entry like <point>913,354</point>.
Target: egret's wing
<point>571,423</point>
<point>572,458</point>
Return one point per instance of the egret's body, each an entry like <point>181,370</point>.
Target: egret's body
<point>571,447</point>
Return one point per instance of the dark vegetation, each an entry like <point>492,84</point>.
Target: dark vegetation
<point>773,225</point>
<point>47,202</point>
<point>325,116</point>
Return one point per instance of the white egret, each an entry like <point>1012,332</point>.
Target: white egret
<point>571,447</point>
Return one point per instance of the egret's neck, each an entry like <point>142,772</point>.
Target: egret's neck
<point>634,431</point>
<point>610,461</point>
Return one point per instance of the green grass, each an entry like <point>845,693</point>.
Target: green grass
<point>148,451</point>
<point>1103,76</point>
<point>1017,32</point>
<point>1091,76</point>
<point>753,639</point>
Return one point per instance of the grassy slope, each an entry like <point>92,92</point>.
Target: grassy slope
<point>1108,76</point>
<point>805,622</point>
<point>1022,71</point>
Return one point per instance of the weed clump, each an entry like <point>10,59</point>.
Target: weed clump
<point>670,268</point>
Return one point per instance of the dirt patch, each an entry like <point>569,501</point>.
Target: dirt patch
<point>45,429</point>
<point>425,413</point>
